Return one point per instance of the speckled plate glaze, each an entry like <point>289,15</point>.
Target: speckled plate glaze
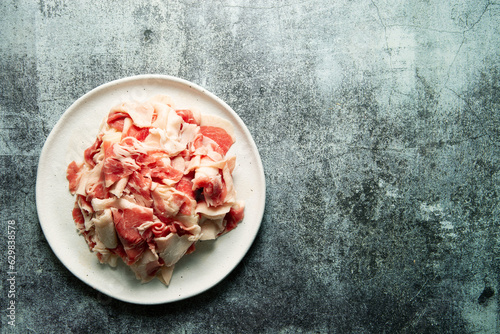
<point>76,130</point>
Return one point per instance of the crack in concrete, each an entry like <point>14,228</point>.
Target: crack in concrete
<point>464,32</point>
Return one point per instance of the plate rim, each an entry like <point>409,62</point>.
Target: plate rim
<point>128,80</point>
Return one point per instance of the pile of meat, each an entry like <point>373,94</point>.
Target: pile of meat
<point>155,181</point>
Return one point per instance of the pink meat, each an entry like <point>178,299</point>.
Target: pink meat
<point>126,223</point>
<point>149,159</point>
<point>153,267</point>
<point>186,115</point>
<point>78,218</point>
<point>139,133</point>
<point>164,209</point>
<point>139,186</point>
<point>214,189</point>
<point>116,168</point>
<point>92,150</point>
<point>160,229</point>
<point>219,135</point>
<point>185,185</point>
<point>233,217</point>
<point>80,225</point>
<point>162,171</point>
<point>116,119</point>
<point>153,189</point>
<point>73,174</point>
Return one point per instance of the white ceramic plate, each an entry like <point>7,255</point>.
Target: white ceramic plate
<point>76,130</point>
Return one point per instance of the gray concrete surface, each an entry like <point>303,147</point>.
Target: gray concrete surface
<point>378,126</point>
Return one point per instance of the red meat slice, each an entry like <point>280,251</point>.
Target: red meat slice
<point>116,119</point>
<point>73,175</point>
<point>139,133</point>
<point>214,189</point>
<point>186,115</point>
<point>185,185</point>
<point>115,168</point>
<point>78,218</point>
<point>233,217</point>
<point>126,223</point>
<point>170,208</point>
<point>160,229</point>
<point>139,186</point>
<point>92,150</point>
<point>218,135</point>
<point>80,225</point>
<point>166,172</point>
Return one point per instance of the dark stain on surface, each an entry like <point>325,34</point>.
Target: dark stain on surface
<point>51,9</point>
<point>427,97</point>
<point>361,204</point>
<point>148,36</point>
<point>487,293</point>
<point>482,105</point>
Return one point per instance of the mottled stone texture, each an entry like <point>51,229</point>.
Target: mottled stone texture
<point>378,123</point>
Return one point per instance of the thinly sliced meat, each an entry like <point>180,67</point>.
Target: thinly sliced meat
<point>139,186</point>
<point>178,228</point>
<point>146,267</point>
<point>84,205</point>
<point>172,247</point>
<point>90,152</point>
<point>154,229</point>
<point>105,255</point>
<point>215,222</point>
<point>228,181</point>
<point>197,142</point>
<point>127,221</point>
<point>219,135</point>
<point>188,134</point>
<point>174,125</point>
<point>73,175</point>
<point>187,116</point>
<point>211,182</point>
<point>170,145</point>
<point>138,133</point>
<point>212,212</point>
<point>151,158</point>
<point>218,122</point>
<point>205,146</point>
<point>116,169</point>
<point>185,185</point>
<point>105,229</point>
<point>153,183</point>
<point>140,113</point>
<point>165,274</point>
<point>92,184</point>
<point>165,172</point>
<point>78,218</point>
<point>168,201</point>
<point>211,228</point>
<point>234,216</point>
<point>119,162</point>
<point>116,119</point>
<point>160,115</point>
